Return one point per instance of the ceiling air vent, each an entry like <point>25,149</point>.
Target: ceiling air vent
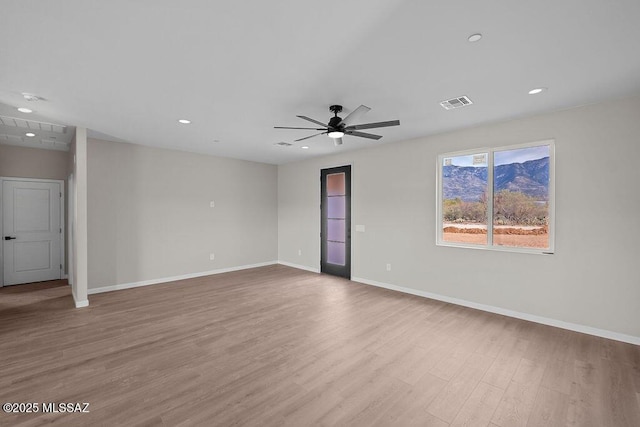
<point>459,102</point>
<point>283,144</point>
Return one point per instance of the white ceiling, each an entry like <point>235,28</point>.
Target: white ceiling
<point>236,69</point>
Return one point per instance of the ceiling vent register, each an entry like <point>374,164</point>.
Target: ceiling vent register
<point>459,102</point>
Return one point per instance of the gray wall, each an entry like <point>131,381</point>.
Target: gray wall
<point>23,162</point>
<point>591,280</point>
<point>149,214</point>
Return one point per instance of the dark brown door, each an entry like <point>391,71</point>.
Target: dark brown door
<point>335,225</point>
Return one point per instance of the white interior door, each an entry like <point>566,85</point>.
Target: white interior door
<point>31,231</point>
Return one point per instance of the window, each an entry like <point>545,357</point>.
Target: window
<point>499,198</point>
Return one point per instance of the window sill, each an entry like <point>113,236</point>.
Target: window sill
<point>536,251</point>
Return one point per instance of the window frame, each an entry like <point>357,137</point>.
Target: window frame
<point>490,189</point>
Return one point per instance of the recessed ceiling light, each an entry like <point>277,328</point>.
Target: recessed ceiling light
<point>184,121</point>
<point>30,134</point>
<point>25,110</point>
<point>537,90</point>
<point>475,37</point>
<point>305,147</point>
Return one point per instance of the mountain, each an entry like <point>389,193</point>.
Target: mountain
<point>469,183</point>
<point>465,182</point>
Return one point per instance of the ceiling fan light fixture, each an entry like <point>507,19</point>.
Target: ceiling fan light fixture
<point>335,134</point>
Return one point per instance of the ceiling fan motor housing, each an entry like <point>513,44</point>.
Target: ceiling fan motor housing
<point>334,122</point>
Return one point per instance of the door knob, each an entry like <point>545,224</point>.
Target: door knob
<point>10,238</point>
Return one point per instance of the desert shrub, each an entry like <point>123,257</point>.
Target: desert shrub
<point>457,210</point>
<point>516,208</point>
<point>509,208</point>
<point>452,209</point>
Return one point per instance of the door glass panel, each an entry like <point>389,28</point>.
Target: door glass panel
<point>335,230</point>
<point>335,184</point>
<point>336,253</point>
<point>336,207</point>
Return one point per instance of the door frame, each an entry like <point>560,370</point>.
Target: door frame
<point>351,204</point>
<point>62,221</point>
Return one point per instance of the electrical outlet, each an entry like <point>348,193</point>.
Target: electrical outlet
<point>388,267</point>
<point>212,204</point>
<point>299,252</point>
<point>212,256</point>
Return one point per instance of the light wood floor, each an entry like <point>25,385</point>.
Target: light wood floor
<point>277,346</point>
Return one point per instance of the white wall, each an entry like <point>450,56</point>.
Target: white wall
<point>591,280</point>
<point>150,218</point>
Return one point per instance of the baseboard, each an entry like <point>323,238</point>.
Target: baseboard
<point>300,267</point>
<point>122,286</point>
<point>510,313</point>
<point>79,304</point>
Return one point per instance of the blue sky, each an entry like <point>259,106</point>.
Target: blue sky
<point>505,157</point>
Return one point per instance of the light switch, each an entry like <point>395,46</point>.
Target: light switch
<point>212,204</point>
<point>360,228</point>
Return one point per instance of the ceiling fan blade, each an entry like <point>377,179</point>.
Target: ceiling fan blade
<point>374,125</point>
<point>307,137</point>
<point>286,127</point>
<point>362,134</point>
<point>312,121</point>
<point>355,115</point>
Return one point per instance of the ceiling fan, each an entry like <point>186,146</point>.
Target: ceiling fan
<point>338,127</point>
